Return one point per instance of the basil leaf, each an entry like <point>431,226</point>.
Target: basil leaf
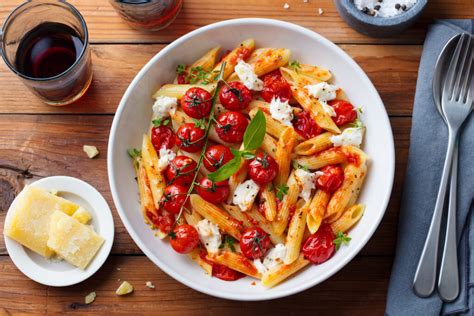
<point>248,155</point>
<point>255,132</point>
<point>227,170</point>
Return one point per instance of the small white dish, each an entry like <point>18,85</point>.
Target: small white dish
<point>61,273</point>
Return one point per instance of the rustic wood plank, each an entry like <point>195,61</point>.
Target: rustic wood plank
<point>105,26</point>
<point>393,69</point>
<point>366,276</point>
<point>44,145</point>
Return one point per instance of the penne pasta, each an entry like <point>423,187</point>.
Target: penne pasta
<point>348,219</point>
<point>313,73</point>
<point>192,218</point>
<point>327,157</point>
<point>214,214</point>
<point>288,204</point>
<point>317,210</point>
<point>273,277</point>
<point>269,202</point>
<point>285,146</point>
<point>269,145</point>
<point>178,90</point>
<point>237,178</point>
<point>295,234</point>
<point>236,213</point>
<point>349,191</point>
<point>150,163</point>
<point>240,52</point>
<point>236,262</point>
<point>315,109</point>
<point>209,59</point>
<point>314,145</point>
<point>257,219</point>
<point>195,255</point>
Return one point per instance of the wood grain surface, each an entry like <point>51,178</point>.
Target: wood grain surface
<point>38,141</point>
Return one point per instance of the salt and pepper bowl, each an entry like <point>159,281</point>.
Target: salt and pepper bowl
<point>378,26</point>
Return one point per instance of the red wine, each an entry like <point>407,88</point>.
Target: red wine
<point>48,50</point>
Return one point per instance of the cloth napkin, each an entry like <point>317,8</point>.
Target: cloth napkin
<point>429,136</point>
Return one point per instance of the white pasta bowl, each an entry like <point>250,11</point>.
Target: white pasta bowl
<point>133,118</point>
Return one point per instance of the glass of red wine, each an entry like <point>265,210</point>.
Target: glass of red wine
<point>148,15</point>
<point>45,43</point>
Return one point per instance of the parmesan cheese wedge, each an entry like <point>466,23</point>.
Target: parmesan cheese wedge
<point>29,223</point>
<point>74,242</point>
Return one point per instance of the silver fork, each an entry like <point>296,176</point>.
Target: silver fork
<point>456,104</point>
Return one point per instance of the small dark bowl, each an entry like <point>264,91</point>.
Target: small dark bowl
<point>378,26</point>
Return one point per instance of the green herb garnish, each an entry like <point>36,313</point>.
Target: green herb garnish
<point>161,122</point>
<point>281,191</point>
<point>229,241</point>
<point>341,239</point>
<point>295,65</point>
<point>181,69</point>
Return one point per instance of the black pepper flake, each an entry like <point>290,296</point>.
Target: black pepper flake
<point>398,6</point>
<point>404,7</point>
<point>377,7</point>
<point>366,10</point>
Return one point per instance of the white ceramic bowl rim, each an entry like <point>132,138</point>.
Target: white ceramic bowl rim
<point>354,249</point>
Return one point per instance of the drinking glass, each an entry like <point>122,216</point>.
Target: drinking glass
<point>67,86</point>
<point>149,15</point>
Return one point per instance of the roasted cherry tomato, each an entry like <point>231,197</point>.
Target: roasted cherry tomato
<point>214,192</point>
<point>173,198</point>
<point>254,242</point>
<point>231,126</point>
<point>162,136</point>
<point>345,112</point>
<point>182,78</point>
<point>275,86</point>
<point>190,138</point>
<point>181,171</point>
<point>221,271</point>
<point>184,238</point>
<point>216,156</point>
<point>305,126</point>
<point>331,179</point>
<point>235,96</point>
<point>319,247</point>
<point>263,169</point>
<point>165,222</point>
<point>197,103</point>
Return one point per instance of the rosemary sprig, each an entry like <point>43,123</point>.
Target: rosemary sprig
<point>206,139</point>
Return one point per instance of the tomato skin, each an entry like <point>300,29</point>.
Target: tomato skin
<point>162,136</point>
<point>190,138</point>
<point>231,126</point>
<point>263,169</point>
<point>181,171</point>
<point>173,198</point>
<point>305,126</point>
<point>216,156</point>
<point>254,242</point>
<point>221,271</point>
<point>182,78</point>
<point>319,247</point>
<point>165,222</point>
<point>196,103</point>
<point>345,112</point>
<point>235,96</point>
<point>184,238</point>
<point>332,178</point>
<point>213,192</point>
<point>275,86</point>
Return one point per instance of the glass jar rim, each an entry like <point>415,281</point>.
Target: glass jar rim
<point>81,55</point>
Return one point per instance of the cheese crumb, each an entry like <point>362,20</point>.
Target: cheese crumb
<point>281,111</point>
<point>306,182</point>
<point>91,151</point>
<point>166,156</point>
<point>164,106</point>
<point>350,136</point>
<point>245,194</point>
<point>124,288</point>
<point>246,74</point>
<point>286,6</point>
<point>90,298</point>
<point>323,91</point>
<point>274,259</point>
<point>209,235</point>
<point>150,285</point>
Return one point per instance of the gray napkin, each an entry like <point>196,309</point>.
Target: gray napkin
<point>426,157</point>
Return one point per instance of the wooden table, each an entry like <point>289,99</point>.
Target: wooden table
<point>38,141</point>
